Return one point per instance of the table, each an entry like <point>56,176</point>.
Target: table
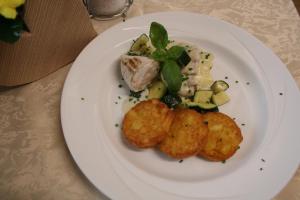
<point>34,160</point>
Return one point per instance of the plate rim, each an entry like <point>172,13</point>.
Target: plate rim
<point>63,100</point>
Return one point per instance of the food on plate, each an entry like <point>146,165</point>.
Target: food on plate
<point>172,69</point>
<point>147,123</point>
<point>157,90</point>
<point>224,137</point>
<point>174,99</point>
<point>138,71</point>
<point>187,134</point>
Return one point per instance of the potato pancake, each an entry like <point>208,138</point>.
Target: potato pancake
<point>187,134</point>
<point>147,123</point>
<point>224,137</point>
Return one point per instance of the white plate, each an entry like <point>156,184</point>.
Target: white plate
<point>259,170</point>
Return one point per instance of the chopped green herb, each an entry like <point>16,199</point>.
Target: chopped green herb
<point>180,161</point>
<point>207,56</point>
<point>226,77</point>
<point>134,102</point>
<point>184,78</point>
<point>82,98</point>
<point>248,83</point>
<point>135,94</point>
<point>223,161</point>
<point>116,125</point>
<point>130,99</point>
<point>238,147</point>
<point>236,81</point>
<point>263,160</point>
<point>119,97</point>
<point>116,102</point>
<point>146,96</point>
<point>281,93</point>
<point>243,124</point>
<point>233,118</point>
<point>120,85</point>
<point>202,61</point>
<point>261,169</point>
<point>189,50</point>
<point>190,69</point>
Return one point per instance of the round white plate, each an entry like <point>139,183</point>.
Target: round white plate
<point>264,102</point>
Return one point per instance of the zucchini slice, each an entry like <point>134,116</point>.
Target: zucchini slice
<point>203,96</point>
<point>220,98</point>
<point>157,90</point>
<point>183,59</point>
<point>219,86</point>
<point>140,46</point>
<point>202,105</point>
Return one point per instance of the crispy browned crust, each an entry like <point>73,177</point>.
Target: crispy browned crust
<point>147,123</point>
<point>187,134</point>
<point>224,137</point>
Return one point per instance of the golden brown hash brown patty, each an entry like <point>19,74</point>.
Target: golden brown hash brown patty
<point>147,123</point>
<point>223,139</point>
<point>187,134</point>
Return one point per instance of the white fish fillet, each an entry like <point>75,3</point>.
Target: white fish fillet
<point>138,71</point>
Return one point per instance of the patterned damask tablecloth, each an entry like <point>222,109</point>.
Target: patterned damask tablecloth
<point>34,160</point>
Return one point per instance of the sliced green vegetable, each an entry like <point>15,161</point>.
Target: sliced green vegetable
<point>219,86</point>
<point>184,102</point>
<point>183,59</point>
<point>202,105</point>
<point>172,76</point>
<point>157,90</point>
<point>158,35</point>
<point>203,96</point>
<point>171,100</point>
<point>140,46</point>
<point>220,98</point>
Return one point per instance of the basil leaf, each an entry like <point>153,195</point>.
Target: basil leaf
<point>158,35</point>
<point>172,76</point>
<point>175,52</point>
<point>159,55</point>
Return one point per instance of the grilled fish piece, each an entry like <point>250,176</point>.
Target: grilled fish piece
<point>138,71</point>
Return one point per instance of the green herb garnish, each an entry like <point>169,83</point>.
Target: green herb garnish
<point>172,76</point>
<point>168,58</point>
<point>135,94</point>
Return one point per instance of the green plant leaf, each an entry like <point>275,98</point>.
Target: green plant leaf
<point>175,52</point>
<point>158,35</point>
<point>172,76</point>
<point>159,55</point>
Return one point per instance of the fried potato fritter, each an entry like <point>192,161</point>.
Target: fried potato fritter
<point>223,139</point>
<point>147,123</point>
<point>187,134</point>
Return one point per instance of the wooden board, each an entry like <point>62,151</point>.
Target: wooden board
<point>59,30</point>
